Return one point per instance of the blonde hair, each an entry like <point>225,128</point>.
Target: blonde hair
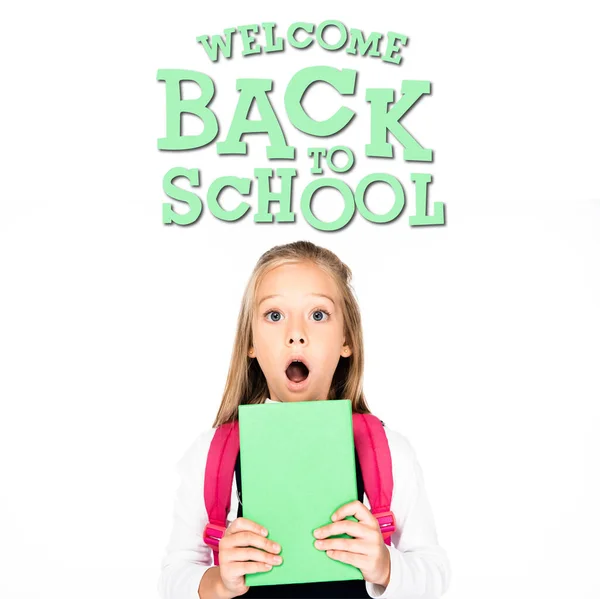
<point>246,383</point>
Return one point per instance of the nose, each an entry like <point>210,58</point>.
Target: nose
<point>296,333</point>
<point>296,339</point>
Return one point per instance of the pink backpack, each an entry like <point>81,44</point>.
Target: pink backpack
<point>374,457</point>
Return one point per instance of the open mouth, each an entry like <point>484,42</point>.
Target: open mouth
<point>297,371</point>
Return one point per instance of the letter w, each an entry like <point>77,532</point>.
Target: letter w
<point>216,44</point>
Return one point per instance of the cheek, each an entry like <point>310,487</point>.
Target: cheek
<point>329,344</point>
<point>258,330</point>
<point>264,343</point>
<point>263,334</point>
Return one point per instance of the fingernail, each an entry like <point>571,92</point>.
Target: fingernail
<point>264,532</point>
<point>317,533</point>
<point>276,547</point>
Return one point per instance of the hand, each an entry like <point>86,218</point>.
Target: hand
<point>238,556</point>
<point>367,551</point>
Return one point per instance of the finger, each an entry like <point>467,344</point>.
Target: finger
<point>249,539</point>
<point>354,529</point>
<point>240,524</point>
<point>355,559</point>
<point>244,554</point>
<point>357,509</point>
<point>350,545</point>
<point>242,568</point>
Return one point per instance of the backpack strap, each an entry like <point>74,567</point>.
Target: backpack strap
<point>218,481</point>
<point>375,459</point>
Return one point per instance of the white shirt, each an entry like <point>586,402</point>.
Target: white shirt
<point>419,567</point>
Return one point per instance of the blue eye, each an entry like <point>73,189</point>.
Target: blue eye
<point>274,312</point>
<point>324,315</point>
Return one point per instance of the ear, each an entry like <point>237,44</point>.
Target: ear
<point>346,351</point>
<point>251,352</point>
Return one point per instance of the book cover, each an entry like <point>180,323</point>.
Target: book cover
<point>297,466</point>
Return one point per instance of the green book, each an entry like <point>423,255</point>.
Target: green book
<point>298,466</point>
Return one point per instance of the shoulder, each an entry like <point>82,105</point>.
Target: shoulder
<point>401,450</point>
<point>404,472</point>
<point>194,457</point>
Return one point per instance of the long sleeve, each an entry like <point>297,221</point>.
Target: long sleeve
<point>187,557</point>
<point>419,567</point>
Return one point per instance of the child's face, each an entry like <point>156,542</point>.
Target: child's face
<point>298,322</point>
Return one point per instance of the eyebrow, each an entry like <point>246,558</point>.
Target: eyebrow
<point>313,294</point>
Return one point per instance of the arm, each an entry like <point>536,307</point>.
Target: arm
<point>211,585</point>
<point>187,566</point>
<point>419,567</point>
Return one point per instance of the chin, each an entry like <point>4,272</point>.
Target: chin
<point>286,396</point>
<point>305,396</point>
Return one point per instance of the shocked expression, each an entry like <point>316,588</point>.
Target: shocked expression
<point>298,331</point>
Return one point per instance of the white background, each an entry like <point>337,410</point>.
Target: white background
<point>481,335</point>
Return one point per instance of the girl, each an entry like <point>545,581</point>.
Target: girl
<point>299,304</point>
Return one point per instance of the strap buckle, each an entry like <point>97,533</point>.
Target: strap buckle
<point>387,523</point>
<point>213,533</point>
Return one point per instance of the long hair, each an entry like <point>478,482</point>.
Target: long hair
<point>246,383</point>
